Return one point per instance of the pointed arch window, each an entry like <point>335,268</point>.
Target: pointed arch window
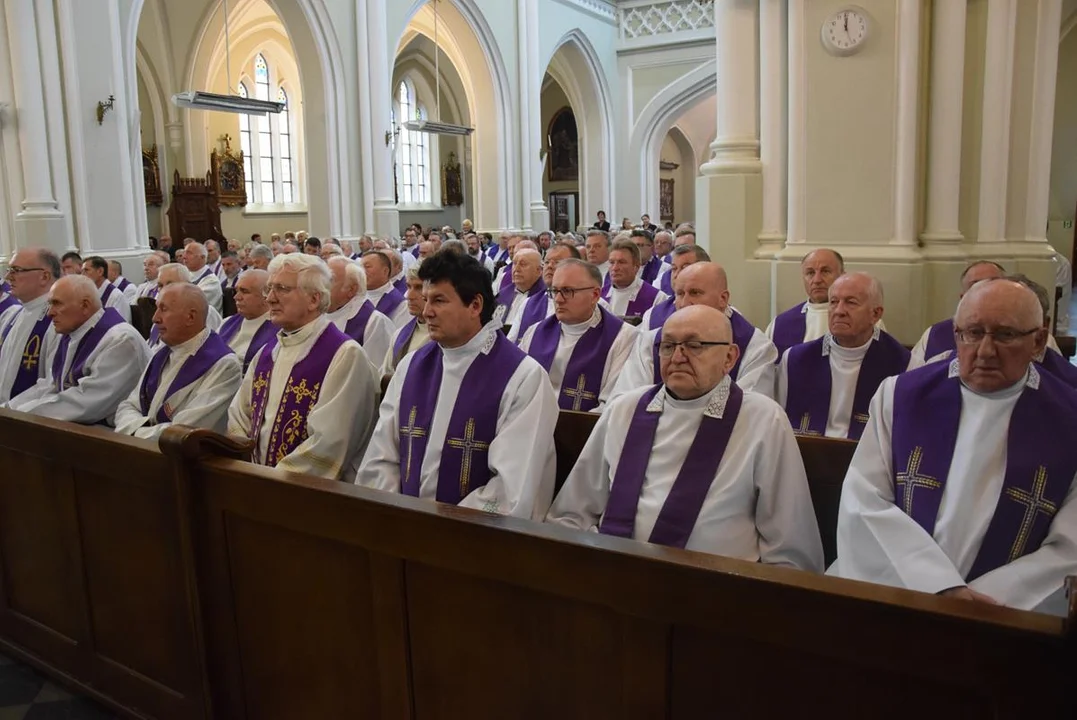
<point>413,151</point>
<point>268,142</point>
<point>287,169</point>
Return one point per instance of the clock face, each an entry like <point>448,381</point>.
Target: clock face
<point>845,31</point>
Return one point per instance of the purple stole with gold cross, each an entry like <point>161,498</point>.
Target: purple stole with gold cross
<point>808,399</point>
<point>1040,461</point>
<point>265,332</point>
<point>660,313</point>
<point>681,509</point>
<point>389,302</point>
<point>213,349</point>
<point>582,383</point>
<point>940,338</point>
<point>300,394</point>
<point>790,327</point>
<point>640,304</point>
<point>472,425</point>
<point>743,331</point>
<point>87,345</point>
<point>355,328</point>
<point>30,366</point>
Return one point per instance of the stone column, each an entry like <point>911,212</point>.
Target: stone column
<point>995,132</point>
<point>1041,130</point>
<point>537,217</point>
<point>772,134</point>
<point>797,231</point>
<point>907,147</point>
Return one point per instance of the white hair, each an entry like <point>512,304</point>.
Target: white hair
<point>261,251</point>
<point>83,288</point>
<point>875,288</point>
<point>181,270</point>
<point>353,271</point>
<point>197,247</point>
<point>190,294</point>
<point>332,250</point>
<point>1030,308</point>
<point>312,274</point>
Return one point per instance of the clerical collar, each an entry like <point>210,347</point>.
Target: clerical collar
<point>191,345</point>
<point>36,304</point>
<point>348,309</point>
<point>482,342</point>
<point>258,320</point>
<point>814,307</point>
<point>76,335</point>
<point>376,293</point>
<point>829,342</point>
<point>713,403</point>
<point>1030,380</point>
<point>635,284</point>
<point>581,328</point>
<point>300,336</point>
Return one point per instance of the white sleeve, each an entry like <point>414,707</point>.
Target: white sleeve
<point>206,407</point>
<point>639,368</point>
<point>129,415</point>
<point>770,330</point>
<point>757,367</point>
<point>781,394</point>
<point>211,286</point>
<point>919,351</point>
<point>620,353</point>
<point>584,496</point>
<point>119,303</point>
<point>131,294</point>
<point>378,336</point>
<point>239,410</point>
<point>380,468</point>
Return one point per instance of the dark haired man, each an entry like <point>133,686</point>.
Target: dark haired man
<point>96,268</point>
<point>467,419</point>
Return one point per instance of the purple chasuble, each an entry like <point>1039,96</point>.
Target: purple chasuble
<point>109,289</point>
<point>403,340</point>
<point>808,399</point>
<point>582,383</point>
<point>940,338</point>
<point>194,367</point>
<point>1058,366</point>
<point>660,313</point>
<point>300,395</point>
<point>651,270</point>
<point>402,285</point>
<point>1040,462</point>
<point>643,301</point>
<point>204,274</point>
<point>667,283</point>
<point>87,344</point>
<point>389,302</point>
<point>534,307</point>
<point>472,425</point>
<point>506,279</point>
<point>30,366</point>
<point>681,509</point>
<point>414,250</point>
<point>355,328</point>
<point>124,284</point>
<point>742,335</point>
<point>790,327</point>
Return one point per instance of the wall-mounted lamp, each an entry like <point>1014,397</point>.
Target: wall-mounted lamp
<point>104,107</point>
<point>542,154</point>
<point>389,135</point>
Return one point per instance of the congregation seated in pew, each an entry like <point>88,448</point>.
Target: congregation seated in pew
<point>249,329</point>
<point>627,294</point>
<point>96,269</point>
<point>28,338</point>
<point>695,461</point>
<point>414,333</point>
<point>352,312</point>
<point>523,302</point>
<point>125,286</point>
<point>380,290</point>
<point>177,273</point>
<point>681,257</point>
<point>196,259</point>
<point>651,266</point>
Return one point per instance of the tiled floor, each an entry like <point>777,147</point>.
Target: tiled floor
<point>27,695</point>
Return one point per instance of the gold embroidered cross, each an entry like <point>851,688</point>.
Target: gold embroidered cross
<point>33,352</point>
<point>260,383</point>
<point>1034,503</point>
<point>578,394</point>
<point>805,426</point>
<point>468,444</point>
<point>411,431</point>
<point>301,392</point>
<point>912,479</point>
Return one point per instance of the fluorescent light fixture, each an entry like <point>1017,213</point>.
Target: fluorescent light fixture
<point>437,128</point>
<point>199,100</point>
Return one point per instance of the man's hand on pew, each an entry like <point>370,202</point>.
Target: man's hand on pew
<point>965,593</point>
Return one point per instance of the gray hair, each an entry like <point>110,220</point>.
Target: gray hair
<point>197,248</point>
<point>1035,287</point>
<point>592,270</point>
<point>48,260</point>
<point>332,250</point>
<point>700,254</point>
<point>312,274</point>
<point>600,233</point>
<point>83,288</point>
<point>455,246</point>
<point>875,288</point>
<point>352,271</point>
<point>190,294</point>
<point>180,270</point>
<point>261,251</point>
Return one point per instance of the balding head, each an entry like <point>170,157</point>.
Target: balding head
<point>818,270</point>
<point>980,270</point>
<point>999,329</point>
<point>172,273</point>
<point>72,301</point>
<point>194,256</point>
<point>702,283</point>
<point>705,353</point>
<point>526,268</point>
<point>181,313</point>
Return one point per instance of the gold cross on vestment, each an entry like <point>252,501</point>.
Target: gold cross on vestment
<point>578,394</point>
<point>259,384</point>
<point>411,431</point>
<point>33,353</point>
<point>912,479</point>
<point>468,444</point>
<point>805,426</point>
<point>1034,503</point>
<point>302,392</point>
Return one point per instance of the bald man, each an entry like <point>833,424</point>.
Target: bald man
<point>524,302</point>
<point>704,283</point>
<point>352,311</point>
<point>825,385</point>
<point>191,380</point>
<point>97,362</point>
<point>964,481</point>
<point>27,338</point>
<point>176,273</point>
<point>694,462</point>
<point>380,290</point>
<point>195,258</point>
<point>681,257</point>
<point>940,337</point>
<point>249,329</point>
<point>125,286</point>
<point>808,320</point>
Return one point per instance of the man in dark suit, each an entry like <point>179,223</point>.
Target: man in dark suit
<point>602,223</point>
<point>646,224</point>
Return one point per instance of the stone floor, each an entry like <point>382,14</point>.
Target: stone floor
<point>25,694</point>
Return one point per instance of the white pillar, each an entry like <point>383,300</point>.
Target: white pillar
<point>1048,27</point>
<point>995,132</point>
<point>772,135</point>
<point>386,218</point>
<point>907,147</point>
<point>736,148</point>
<point>944,130</point>
<point>537,217</point>
<point>798,128</point>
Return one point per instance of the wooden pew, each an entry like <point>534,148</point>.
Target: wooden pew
<point>142,313</point>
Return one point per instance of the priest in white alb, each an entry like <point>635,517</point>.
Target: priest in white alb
<point>939,338</point>
<point>97,362</point>
<point>965,479</point>
<point>681,257</point>
<point>308,399</point>
<point>380,290</point>
<point>582,346</point>
<point>825,385</point>
<point>151,265</point>
<point>249,329</point>
<point>27,336</point>
<point>190,380</point>
<point>808,320</point>
<point>522,303</point>
<point>170,274</point>
<point>128,288</point>
<point>195,257</point>
<point>627,294</point>
<point>352,312</point>
<point>469,418</point>
<point>96,268</point>
<point>414,334</point>
<point>695,462</point>
<point>704,283</point>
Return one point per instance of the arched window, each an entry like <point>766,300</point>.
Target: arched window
<point>268,142</point>
<point>287,172</point>
<point>413,150</point>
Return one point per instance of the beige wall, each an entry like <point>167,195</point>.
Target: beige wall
<point>1064,158</point>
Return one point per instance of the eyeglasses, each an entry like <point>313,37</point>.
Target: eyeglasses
<point>690,347</point>
<point>277,288</point>
<point>1004,336</point>
<point>567,292</point>
<point>16,270</point>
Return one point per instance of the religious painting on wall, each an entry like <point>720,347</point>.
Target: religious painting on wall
<point>151,176</point>
<point>226,170</point>
<point>563,141</point>
<point>665,199</point>
<point>452,189</point>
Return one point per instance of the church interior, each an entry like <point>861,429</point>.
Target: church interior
<point>150,580</point>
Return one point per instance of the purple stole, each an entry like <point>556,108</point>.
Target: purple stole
<point>940,338</point>
<point>667,283</point>
<point>109,288</point>
<point>8,301</point>
<point>300,394</point>
<point>1058,366</point>
<point>389,302</point>
<point>205,274</point>
<point>789,328</point>
<point>230,282</point>
<point>534,307</point>
<point>582,383</point>
<point>506,279</point>
<point>661,312</point>
<point>651,269</point>
<point>402,285</point>
<point>808,401</point>
<point>87,345</point>
<point>124,284</point>
<point>643,301</point>
<point>261,336</point>
<point>742,335</point>
<point>414,250</point>
<point>194,367</point>
<point>403,339</point>
<point>355,328</point>
<point>472,425</point>
<point>28,372</point>
<point>681,509</point>
<point>1040,462</point>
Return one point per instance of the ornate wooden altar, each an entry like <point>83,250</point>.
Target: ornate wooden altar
<point>194,212</point>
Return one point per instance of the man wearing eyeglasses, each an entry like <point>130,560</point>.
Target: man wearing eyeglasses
<point>27,338</point>
<point>825,385</point>
<point>249,329</point>
<point>694,461</point>
<point>940,337</point>
<point>308,399</point>
<point>965,477</point>
<point>583,346</point>
<point>651,266</point>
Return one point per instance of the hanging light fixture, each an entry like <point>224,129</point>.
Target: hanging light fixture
<point>436,127</point>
